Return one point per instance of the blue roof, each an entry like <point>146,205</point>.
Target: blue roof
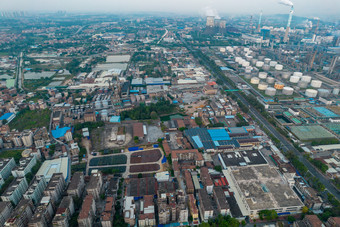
<point>59,132</point>
<point>326,112</point>
<point>219,134</point>
<point>6,116</point>
<point>115,119</point>
<point>198,141</point>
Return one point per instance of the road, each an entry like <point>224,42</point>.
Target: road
<point>19,76</point>
<point>286,145</point>
<point>166,32</point>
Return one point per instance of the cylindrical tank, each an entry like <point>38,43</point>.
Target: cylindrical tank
<point>270,91</point>
<point>237,59</point>
<point>222,49</point>
<point>247,71</point>
<point>262,86</point>
<point>247,76</point>
<point>336,91</point>
<point>266,67</point>
<point>249,58</point>
<point>294,79</point>
<point>279,85</point>
<point>263,75</point>
<point>323,92</point>
<point>245,63</point>
<point>273,63</point>
<point>278,67</point>
<point>287,91</point>
<point>246,49</point>
<point>298,74</point>
<point>267,60</point>
<point>270,80</point>
<point>302,84</point>
<point>255,80</point>
<point>259,64</point>
<point>306,78</point>
<point>316,83</point>
<point>253,61</point>
<point>286,75</point>
<point>311,93</point>
<point>261,58</point>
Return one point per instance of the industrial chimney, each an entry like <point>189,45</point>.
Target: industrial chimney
<point>285,39</point>
<point>259,25</point>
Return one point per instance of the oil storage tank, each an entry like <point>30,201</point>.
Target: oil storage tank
<point>306,78</point>
<point>255,80</point>
<point>287,91</point>
<point>286,75</point>
<point>294,79</point>
<point>270,80</point>
<point>279,85</point>
<point>263,75</point>
<point>316,83</point>
<point>311,93</point>
<point>262,86</point>
<point>270,91</point>
<point>323,92</point>
<point>278,67</point>
<point>259,64</point>
<point>298,74</point>
<point>302,84</point>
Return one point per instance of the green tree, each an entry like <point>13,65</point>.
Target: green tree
<point>218,168</point>
<point>290,219</point>
<point>136,139</point>
<point>153,115</point>
<point>198,121</point>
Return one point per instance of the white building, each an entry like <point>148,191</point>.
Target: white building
<point>36,189</point>
<point>25,166</point>
<point>15,190</point>
<point>27,138</point>
<point>6,166</point>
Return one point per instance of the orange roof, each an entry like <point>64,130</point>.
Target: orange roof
<point>138,129</point>
<point>188,180</point>
<point>198,156</point>
<point>205,176</point>
<point>86,207</point>
<point>314,220</point>
<point>212,83</point>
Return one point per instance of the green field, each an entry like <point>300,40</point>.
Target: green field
<point>16,154</point>
<point>27,119</point>
<point>111,160</point>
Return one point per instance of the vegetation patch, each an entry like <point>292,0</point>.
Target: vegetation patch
<point>28,119</point>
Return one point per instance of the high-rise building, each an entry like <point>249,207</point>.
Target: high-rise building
<point>210,21</point>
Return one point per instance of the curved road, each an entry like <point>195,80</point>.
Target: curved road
<point>286,145</point>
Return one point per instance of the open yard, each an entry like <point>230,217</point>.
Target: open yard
<point>108,160</point>
<point>144,168</point>
<point>28,119</point>
<point>146,156</point>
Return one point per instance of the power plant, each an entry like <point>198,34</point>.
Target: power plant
<point>285,39</point>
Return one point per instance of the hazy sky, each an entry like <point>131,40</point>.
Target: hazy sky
<point>302,7</point>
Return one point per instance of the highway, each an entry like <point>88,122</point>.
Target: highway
<point>286,145</point>
<point>19,75</point>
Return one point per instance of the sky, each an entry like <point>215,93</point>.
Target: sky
<point>197,7</point>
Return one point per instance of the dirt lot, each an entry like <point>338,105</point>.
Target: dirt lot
<point>144,168</point>
<point>102,137</point>
<point>146,156</point>
<point>194,106</point>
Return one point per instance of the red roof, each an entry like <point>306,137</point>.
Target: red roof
<point>138,129</point>
<point>212,83</point>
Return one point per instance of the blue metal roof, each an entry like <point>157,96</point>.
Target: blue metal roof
<point>60,132</point>
<point>6,116</point>
<point>219,134</point>
<point>198,141</point>
<point>115,119</point>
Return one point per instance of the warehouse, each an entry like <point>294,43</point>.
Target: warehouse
<point>311,132</point>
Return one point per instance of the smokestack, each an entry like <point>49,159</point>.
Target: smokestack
<point>285,39</point>
<point>317,26</point>
<point>259,25</point>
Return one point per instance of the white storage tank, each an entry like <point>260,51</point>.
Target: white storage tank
<point>255,80</point>
<point>248,76</point>
<point>272,63</point>
<point>316,83</point>
<point>336,91</point>
<point>286,75</point>
<point>249,58</point>
<point>294,79</point>
<point>298,74</point>
<point>306,78</point>
<point>263,75</point>
<point>259,64</point>
<point>222,49</point>
<point>261,58</point>
<point>247,70</point>
<point>266,67</point>
<point>246,49</point>
<point>302,84</point>
<point>245,63</point>
<point>267,60</point>
<point>311,93</point>
<point>323,92</point>
<point>287,91</point>
<point>253,61</point>
<point>237,59</point>
<point>278,67</point>
<point>262,86</point>
<point>270,91</point>
<point>270,80</point>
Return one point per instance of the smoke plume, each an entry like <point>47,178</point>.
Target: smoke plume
<point>286,2</point>
<point>211,12</point>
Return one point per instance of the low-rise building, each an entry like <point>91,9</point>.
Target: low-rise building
<point>55,187</point>
<point>15,190</point>
<point>6,209</point>
<point>147,215</point>
<point>64,212</point>
<point>94,187</point>
<point>59,165</point>
<point>205,206</point>
<point>193,209</point>
<point>189,184</point>
<point>129,210</point>
<point>25,166</point>
<point>36,189</point>
<point>77,185</point>
<point>206,179</point>
<point>221,201</point>
<point>87,212</point>
<point>108,213</point>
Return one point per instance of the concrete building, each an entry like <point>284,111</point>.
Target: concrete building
<point>41,138</point>
<point>27,138</point>
<point>25,166</point>
<point>55,187</point>
<point>94,187</point>
<point>64,212</point>
<point>147,212</point>
<point>205,206</point>
<point>129,209</point>
<point>206,179</point>
<point>6,209</point>
<point>77,185</point>
<point>59,165</point>
<point>6,166</point>
<point>309,221</point>
<point>15,190</point>
<point>221,201</point>
<point>108,213</point>
<point>36,189</point>
<point>68,136</point>
<point>87,212</point>
<point>21,214</point>
<point>193,209</point>
<point>333,222</point>
<point>138,130</point>
<point>43,213</point>
<point>189,184</point>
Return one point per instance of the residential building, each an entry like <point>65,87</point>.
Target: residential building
<point>41,138</point>
<point>6,209</point>
<point>193,209</point>
<point>189,184</point>
<point>95,185</point>
<point>221,201</point>
<point>25,166</point>
<point>309,221</point>
<point>21,214</point>
<point>108,213</point>
<point>77,185</point>
<point>205,206</point>
<point>206,179</point>
<point>36,189</point>
<point>87,212</point>
<point>6,166</point>
<point>55,187</point>
<point>15,190</point>
<point>147,215</point>
<point>333,222</point>
<point>68,135</point>
<point>64,212</point>
<point>129,210</point>
<point>27,138</point>
<point>90,117</point>
<point>43,213</point>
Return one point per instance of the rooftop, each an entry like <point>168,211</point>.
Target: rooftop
<point>86,207</point>
<point>242,158</point>
<point>49,167</point>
